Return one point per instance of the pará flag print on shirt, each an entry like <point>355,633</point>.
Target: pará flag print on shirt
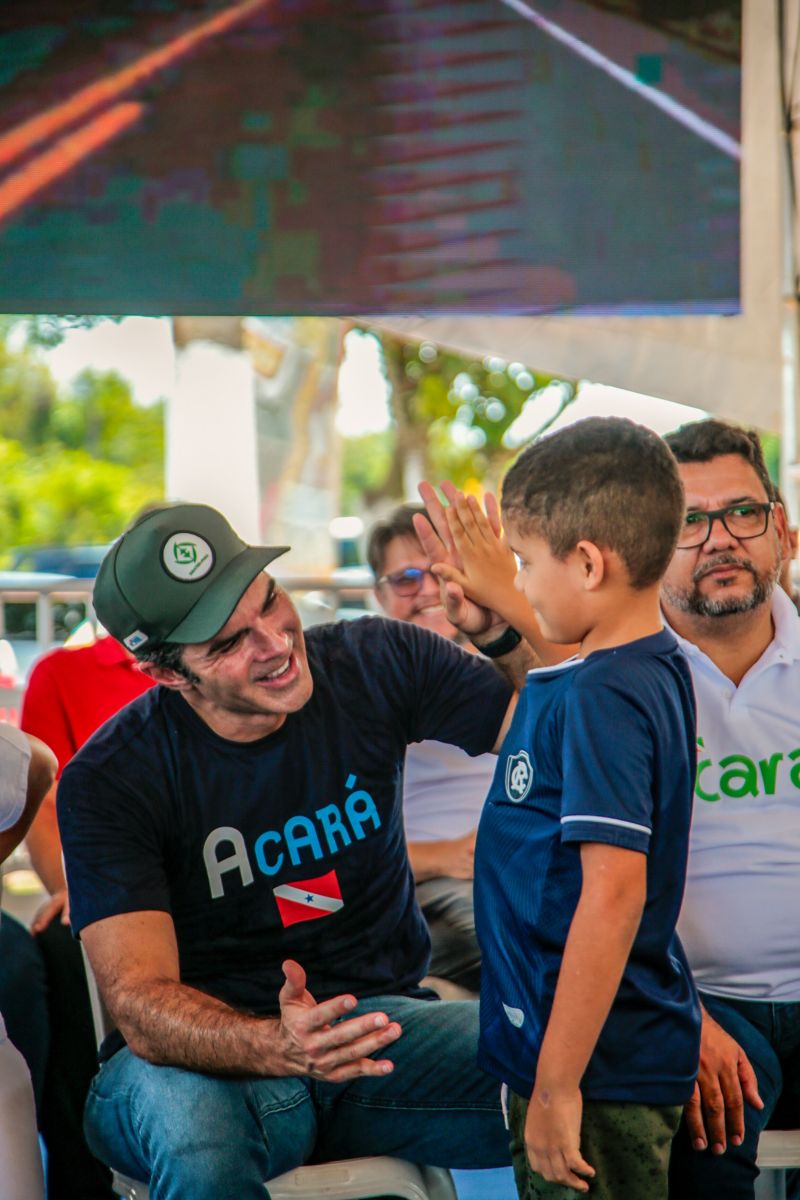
<point>306,899</point>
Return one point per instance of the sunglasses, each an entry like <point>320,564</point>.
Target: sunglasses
<point>407,582</point>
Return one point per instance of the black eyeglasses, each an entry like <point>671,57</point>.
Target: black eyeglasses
<point>742,521</point>
<point>407,582</point>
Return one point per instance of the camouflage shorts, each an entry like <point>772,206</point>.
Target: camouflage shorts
<point>627,1144</point>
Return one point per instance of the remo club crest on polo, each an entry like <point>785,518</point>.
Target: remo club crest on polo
<point>187,556</point>
<point>519,776</point>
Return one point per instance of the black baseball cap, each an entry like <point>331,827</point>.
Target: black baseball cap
<point>176,576</point>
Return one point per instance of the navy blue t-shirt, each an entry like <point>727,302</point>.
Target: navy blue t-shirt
<point>288,847</point>
<point>601,749</point>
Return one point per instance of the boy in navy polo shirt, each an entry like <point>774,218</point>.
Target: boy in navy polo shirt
<point>588,1009</point>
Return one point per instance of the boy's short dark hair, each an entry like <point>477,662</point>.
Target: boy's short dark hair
<point>399,523</point>
<point>606,480</point>
<point>700,441</point>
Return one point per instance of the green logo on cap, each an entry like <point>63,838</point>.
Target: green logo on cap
<point>187,556</point>
<point>185,552</point>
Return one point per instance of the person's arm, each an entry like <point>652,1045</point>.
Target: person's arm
<point>598,944</point>
<point>725,1080</point>
<point>44,846</point>
<point>135,959</point>
<point>450,857</point>
<point>41,773</point>
<point>44,715</point>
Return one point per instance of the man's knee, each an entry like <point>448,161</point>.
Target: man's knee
<point>165,1101</point>
<point>150,1119</point>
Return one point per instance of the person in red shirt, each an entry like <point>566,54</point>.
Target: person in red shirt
<point>70,693</point>
<point>73,690</point>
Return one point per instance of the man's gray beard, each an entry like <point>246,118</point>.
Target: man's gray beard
<point>694,602</point>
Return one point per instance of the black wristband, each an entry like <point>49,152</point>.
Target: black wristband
<point>508,640</point>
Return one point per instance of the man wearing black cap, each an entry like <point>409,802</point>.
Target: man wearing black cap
<point>237,871</point>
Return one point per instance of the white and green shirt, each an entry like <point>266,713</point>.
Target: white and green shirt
<point>740,921</point>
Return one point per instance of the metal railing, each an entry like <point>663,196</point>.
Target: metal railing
<point>319,598</point>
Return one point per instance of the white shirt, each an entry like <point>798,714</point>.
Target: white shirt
<point>443,791</point>
<point>15,755</point>
<point>740,922</point>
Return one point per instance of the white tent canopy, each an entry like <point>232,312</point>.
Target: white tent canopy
<point>730,365</point>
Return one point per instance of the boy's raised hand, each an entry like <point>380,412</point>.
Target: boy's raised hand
<point>439,546</point>
<point>487,563</point>
<point>552,1138</point>
<point>474,564</point>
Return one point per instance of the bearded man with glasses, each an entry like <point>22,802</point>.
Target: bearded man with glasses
<point>443,788</point>
<point>739,923</point>
<point>742,521</point>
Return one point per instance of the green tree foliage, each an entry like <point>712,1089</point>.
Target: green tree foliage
<point>452,416</point>
<point>27,395</point>
<point>63,496</point>
<point>47,330</point>
<point>366,462</point>
<point>75,464</point>
<point>771,445</point>
<point>99,416</point>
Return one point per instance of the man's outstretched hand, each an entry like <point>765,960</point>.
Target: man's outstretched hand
<point>321,1040</point>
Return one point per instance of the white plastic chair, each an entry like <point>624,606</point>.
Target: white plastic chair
<point>778,1151</point>
<point>348,1179</point>
<point>345,1179</point>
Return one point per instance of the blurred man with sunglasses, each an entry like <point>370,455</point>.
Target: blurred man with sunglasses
<point>444,788</point>
<point>739,922</point>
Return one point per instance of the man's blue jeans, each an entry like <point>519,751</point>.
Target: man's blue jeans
<point>206,1136</point>
<point>769,1034</point>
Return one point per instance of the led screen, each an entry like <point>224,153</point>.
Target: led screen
<point>369,156</point>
